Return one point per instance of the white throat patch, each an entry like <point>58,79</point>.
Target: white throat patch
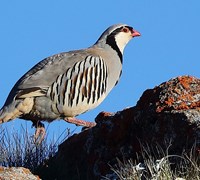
<point>122,39</point>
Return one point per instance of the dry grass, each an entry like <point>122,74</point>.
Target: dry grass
<point>17,148</point>
<point>155,164</point>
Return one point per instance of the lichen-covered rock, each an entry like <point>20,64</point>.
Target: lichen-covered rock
<point>167,114</point>
<point>178,93</point>
<point>16,173</point>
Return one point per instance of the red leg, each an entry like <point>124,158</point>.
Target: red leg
<point>39,132</point>
<point>39,135</point>
<point>79,122</point>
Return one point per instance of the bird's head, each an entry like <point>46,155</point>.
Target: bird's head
<point>117,36</point>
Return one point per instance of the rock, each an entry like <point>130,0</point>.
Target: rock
<point>167,114</point>
<point>179,93</point>
<point>16,173</point>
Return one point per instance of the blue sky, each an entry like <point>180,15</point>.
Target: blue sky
<point>169,45</point>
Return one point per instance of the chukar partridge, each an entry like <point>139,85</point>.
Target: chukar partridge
<point>67,84</point>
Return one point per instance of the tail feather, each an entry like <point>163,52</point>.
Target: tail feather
<point>15,109</point>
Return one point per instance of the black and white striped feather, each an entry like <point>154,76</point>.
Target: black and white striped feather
<point>83,84</point>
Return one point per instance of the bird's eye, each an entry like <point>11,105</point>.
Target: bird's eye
<point>125,30</point>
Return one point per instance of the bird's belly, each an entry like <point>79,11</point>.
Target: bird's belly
<point>41,110</point>
<point>79,108</point>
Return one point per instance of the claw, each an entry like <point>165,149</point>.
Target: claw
<point>79,122</point>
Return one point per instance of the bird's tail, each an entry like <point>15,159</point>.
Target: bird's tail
<point>9,112</point>
<point>15,109</point>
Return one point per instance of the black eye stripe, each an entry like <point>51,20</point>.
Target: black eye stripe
<point>110,40</point>
<point>130,28</point>
<point>119,30</point>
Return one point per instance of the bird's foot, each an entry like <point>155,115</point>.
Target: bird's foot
<point>39,132</point>
<point>79,122</point>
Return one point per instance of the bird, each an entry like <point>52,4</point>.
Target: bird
<point>67,84</point>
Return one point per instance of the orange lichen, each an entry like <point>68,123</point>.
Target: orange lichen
<point>169,101</point>
<point>185,81</point>
<point>195,104</point>
<point>181,93</point>
<point>185,97</point>
<point>183,105</point>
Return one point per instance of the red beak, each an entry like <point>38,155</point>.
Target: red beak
<point>135,33</point>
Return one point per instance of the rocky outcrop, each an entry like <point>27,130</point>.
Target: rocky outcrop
<point>169,113</point>
<point>18,173</point>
